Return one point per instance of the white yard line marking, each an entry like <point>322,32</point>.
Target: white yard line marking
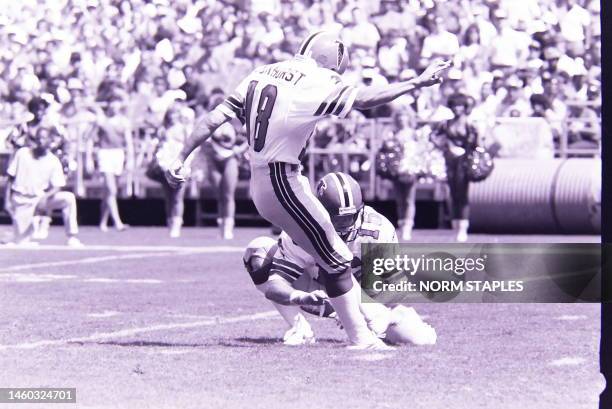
<point>107,247</point>
<point>46,278</point>
<point>571,317</point>
<point>118,280</point>
<point>104,314</point>
<point>135,331</point>
<point>87,260</point>
<point>567,361</point>
<point>35,278</point>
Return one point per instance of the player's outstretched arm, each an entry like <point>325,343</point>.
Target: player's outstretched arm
<point>203,130</point>
<point>371,96</point>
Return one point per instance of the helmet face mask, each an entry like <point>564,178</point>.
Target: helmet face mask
<point>345,223</point>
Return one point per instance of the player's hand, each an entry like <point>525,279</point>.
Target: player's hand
<point>176,174</point>
<point>433,73</point>
<point>317,297</point>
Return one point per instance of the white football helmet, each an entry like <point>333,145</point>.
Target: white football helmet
<point>258,253</point>
<point>327,50</point>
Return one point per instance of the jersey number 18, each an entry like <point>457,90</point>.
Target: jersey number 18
<point>267,97</point>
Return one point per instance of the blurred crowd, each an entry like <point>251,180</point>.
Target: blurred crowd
<point>161,63</point>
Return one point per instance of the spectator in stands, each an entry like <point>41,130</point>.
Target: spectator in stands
<point>515,103</point>
<point>471,47</point>
<point>392,56</point>
<point>440,43</point>
<point>35,180</point>
<point>550,84</point>
<point>584,130</point>
<point>115,150</point>
<point>511,47</point>
<point>457,138</point>
<point>575,22</point>
<point>361,33</point>
<point>540,108</point>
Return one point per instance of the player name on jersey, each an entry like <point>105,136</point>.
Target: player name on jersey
<point>288,75</point>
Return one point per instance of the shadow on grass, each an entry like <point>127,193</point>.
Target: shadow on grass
<point>241,342</point>
<point>143,344</point>
<point>246,341</point>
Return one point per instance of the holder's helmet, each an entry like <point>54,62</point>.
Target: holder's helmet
<point>327,50</point>
<point>258,254</point>
<point>341,196</point>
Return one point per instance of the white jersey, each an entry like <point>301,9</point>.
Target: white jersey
<point>33,176</point>
<point>290,261</point>
<point>281,104</point>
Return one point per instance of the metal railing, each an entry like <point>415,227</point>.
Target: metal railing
<point>367,131</point>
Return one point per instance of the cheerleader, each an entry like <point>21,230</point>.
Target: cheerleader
<point>457,139</point>
<point>222,153</point>
<point>177,125</point>
<point>406,182</point>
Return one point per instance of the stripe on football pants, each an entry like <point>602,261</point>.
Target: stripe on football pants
<point>284,272</point>
<point>320,230</point>
<point>283,198</point>
<point>312,229</point>
<point>301,215</point>
<point>291,266</point>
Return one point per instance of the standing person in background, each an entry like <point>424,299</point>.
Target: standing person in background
<point>222,153</point>
<point>457,139</point>
<point>174,132</point>
<point>405,183</point>
<point>114,142</point>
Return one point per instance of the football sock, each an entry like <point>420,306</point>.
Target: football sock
<point>347,308</point>
<point>288,312</point>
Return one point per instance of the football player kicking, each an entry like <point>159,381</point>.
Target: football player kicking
<point>288,276</point>
<point>280,104</point>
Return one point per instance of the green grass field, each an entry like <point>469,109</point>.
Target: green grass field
<point>137,320</point>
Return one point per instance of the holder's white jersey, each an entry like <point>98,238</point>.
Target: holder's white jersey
<point>281,103</point>
<point>291,262</point>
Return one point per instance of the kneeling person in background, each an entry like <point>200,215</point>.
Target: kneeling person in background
<point>34,189</point>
